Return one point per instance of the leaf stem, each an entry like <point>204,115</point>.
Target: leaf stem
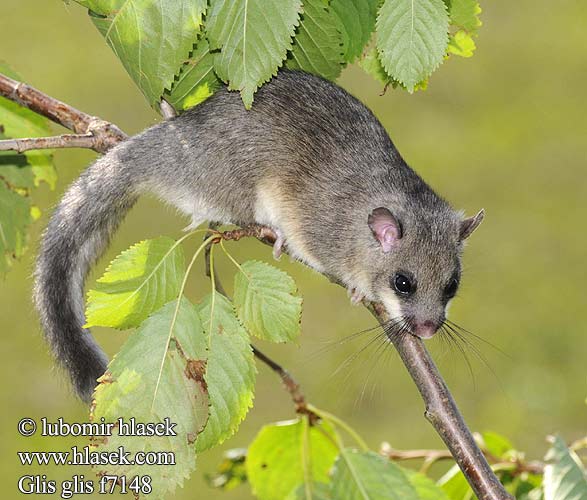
<point>232,259</point>
<point>579,444</point>
<point>307,466</point>
<point>213,300</point>
<point>159,264</point>
<point>176,312</point>
<point>340,423</point>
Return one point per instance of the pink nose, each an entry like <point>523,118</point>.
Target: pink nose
<point>425,329</point>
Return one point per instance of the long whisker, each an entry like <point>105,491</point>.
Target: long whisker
<point>446,346</point>
<point>351,368</point>
<point>396,330</point>
<point>387,332</point>
<point>454,341</point>
<point>476,351</point>
<point>349,338</point>
<point>374,362</point>
<point>477,337</point>
<point>357,353</point>
<point>380,340</point>
<point>389,355</point>
<point>392,331</point>
<point>464,340</point>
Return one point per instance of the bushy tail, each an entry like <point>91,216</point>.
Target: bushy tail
<point>76,236</point>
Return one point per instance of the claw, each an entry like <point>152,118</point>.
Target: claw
<point>278,245</point>
<point>356,297</point>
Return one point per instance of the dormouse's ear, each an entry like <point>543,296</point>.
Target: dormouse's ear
<point>470,224</point>
<point>385,227</point>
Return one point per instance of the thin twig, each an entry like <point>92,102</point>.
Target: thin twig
<point>86,141</point>
<point>441,410</point>
<point>106,135</point>
<point>263,233</point>
<point>429,457</point>
<point>290,384</point>
<point>519,467</point>
<point>514,466</point>
<point>212,226</point>
<point>393,454</point>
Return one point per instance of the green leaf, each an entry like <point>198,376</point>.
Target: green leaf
<point>319,491</point>
<point>496,444</point>
<point>412,38</point>
<point>564,477</point>
<point>318,45</point>
<point>137,282</point>
<point>285,454</point>
<point>15,171</point>
<point>461,44</point>
<point>19,174</point>
<point>231,472</point>
<point>157,374</point>
<point>371,64</point>
<point>266,302</point>
<point>425,487</point>
<point>535,494</point>
<point>528,487</point>
<point>367,476</point>
<point>465,14</point>
<point>151,38</point>
<point>43,167</point>
<point>15,216</point>
<point>357,22</point>
<point>230,374</point>
<point>196,81</point>
<point>455,485</point>
<point>19,122</point>
<point>254,37</point>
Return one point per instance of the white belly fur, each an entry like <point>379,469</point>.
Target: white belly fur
<point>269,211</point>
<point>191,205</point>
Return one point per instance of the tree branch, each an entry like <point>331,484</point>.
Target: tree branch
<point>514,466</point>
<point>86,141</point>
<point>441,410</point>
<point>105,135</point>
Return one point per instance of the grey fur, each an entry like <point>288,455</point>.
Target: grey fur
<point>308,159</point>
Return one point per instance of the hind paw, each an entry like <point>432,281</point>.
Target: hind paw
<point>278,245</point>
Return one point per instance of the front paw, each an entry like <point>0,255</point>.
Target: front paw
<point>356,296</point>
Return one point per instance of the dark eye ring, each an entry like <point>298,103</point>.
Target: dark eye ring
<point>451,289</point>
<point>402,284</point>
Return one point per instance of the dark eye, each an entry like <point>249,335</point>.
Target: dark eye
<point>402,284</point>
<point>451,289</point>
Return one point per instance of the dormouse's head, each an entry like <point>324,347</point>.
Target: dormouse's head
<point>419,264</point>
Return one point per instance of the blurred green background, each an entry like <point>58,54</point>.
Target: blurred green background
<point>505,130</point>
